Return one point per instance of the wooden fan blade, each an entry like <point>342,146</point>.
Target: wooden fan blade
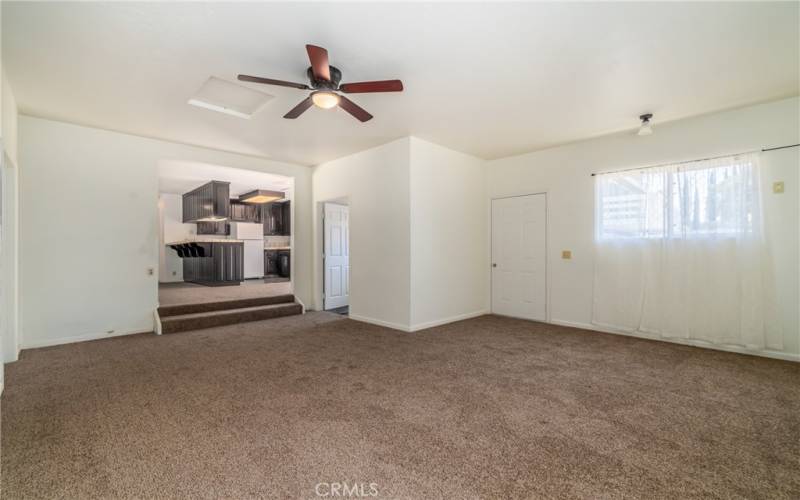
<point>354,109</point>
<point>378,86</point>
<point>300,108</point>
<point>270,81</point>
<point>319,62</point>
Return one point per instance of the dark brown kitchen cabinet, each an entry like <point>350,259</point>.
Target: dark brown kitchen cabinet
<point>286,218</point>
<point>269,217</point>
<point>209,201</point>
<point>277,218</point>
<point>245,212</point>
<point>212,263</point>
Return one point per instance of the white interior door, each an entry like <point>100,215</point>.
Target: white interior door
<point>519,257</point>
<point>336,248</point>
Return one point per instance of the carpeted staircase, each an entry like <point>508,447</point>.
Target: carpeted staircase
<point>184,317</point>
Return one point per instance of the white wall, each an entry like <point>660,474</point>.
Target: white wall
<point>782,226</point>
<point>564,172</point>
<point>418,223</point>
<point>8,119</point>
<point>89,228</point>
<point>9,253</point>
<point>449,223</point>
<point>375,184</point>
<point>170,207</point>
<point>9,265</point>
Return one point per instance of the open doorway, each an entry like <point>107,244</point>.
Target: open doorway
<point>336,257</point>
<point>240,250</point>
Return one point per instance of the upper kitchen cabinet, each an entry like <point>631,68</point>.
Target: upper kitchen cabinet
<point>208,203</point>
<point>277,218</point>
<point>244,212</point>
<point>286,217</point>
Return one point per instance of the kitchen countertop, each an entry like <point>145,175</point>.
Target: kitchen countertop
<point>277,248</point>
<point>204,240</point>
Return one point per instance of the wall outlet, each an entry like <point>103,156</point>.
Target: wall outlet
<point>150,271</point>
<point>777,187</point>
<point>566,254</point>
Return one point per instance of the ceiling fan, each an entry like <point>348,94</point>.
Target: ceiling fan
<point>324,82</point>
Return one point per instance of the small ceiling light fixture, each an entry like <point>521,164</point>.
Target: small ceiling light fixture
<point>325,100</point>
<point>261,196</point>
<point>645,128</point>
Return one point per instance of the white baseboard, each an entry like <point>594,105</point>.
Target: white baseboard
<point>420,326</point>
<point>379,322</point>
<point>787,356</point>
<point>156,322</point>
<point>444,321</point>
<point>78,338</point>
<point>11,357</point>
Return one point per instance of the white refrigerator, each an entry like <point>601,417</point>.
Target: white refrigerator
<point>253,237</point>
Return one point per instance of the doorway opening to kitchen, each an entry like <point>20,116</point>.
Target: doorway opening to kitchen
<point>225,234</point>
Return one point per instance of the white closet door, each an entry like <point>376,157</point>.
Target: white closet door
<point>519,257</point>
<point>337,256</point>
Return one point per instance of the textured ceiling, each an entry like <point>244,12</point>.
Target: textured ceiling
<point>484,78</point>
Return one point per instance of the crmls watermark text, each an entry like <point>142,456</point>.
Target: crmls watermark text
<point>344,489</point>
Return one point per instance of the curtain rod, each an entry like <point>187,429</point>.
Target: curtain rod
<point>700,159</point>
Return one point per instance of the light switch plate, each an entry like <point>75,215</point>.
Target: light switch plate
<point>777,187</point>
<point>566,254</point>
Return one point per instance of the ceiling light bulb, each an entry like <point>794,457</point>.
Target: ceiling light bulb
<point>645,128</point>
<point>325,100</point>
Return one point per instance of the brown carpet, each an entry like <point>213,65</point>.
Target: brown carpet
<point>489,407</point>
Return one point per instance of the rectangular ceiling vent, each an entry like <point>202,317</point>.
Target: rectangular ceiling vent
<point>230,98</point>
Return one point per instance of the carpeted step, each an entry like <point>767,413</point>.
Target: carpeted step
<point>221,305</point>
<point>210,319</point>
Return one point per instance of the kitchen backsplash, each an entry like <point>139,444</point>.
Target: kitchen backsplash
<point>276,241</point>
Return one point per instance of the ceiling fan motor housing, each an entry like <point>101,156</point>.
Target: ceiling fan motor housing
<point>333,84</point>
<point>324,82</point>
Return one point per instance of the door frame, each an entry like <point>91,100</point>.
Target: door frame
<point>344,201</point>
<point>546,249</point>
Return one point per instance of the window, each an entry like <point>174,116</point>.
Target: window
<point>701,199</point>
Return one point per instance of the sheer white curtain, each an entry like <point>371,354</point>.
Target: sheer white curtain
<point>680,253</point>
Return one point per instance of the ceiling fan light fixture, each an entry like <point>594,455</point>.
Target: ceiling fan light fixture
<point>324,83</point>
<point>645,128</point>
<point>325,99</point>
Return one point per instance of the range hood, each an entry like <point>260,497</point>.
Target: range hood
<point>261,196</point>
<point>208,203</point>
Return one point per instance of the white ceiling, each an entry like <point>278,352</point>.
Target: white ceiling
<point>485,78</point>
<point>179,177</point>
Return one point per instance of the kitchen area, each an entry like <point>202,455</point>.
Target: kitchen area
<point>224,239</point>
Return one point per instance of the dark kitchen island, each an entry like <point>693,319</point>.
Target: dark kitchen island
<point>211,262</point>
